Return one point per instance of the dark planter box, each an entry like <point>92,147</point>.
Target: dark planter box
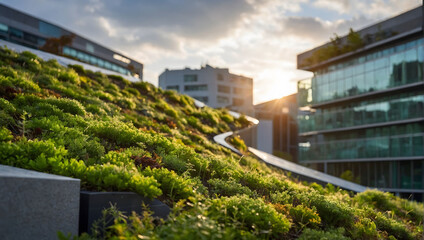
<point>92,204</point>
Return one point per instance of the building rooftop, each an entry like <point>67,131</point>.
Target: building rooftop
<point>393,29</point>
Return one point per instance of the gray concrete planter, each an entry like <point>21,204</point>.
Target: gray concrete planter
<point>92,204</point>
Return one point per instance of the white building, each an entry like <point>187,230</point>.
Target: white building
<point>216,87</point>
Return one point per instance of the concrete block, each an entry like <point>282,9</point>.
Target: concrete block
<point>93,203</point>
<point>36,205</point>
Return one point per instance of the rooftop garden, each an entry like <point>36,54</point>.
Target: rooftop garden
<point>339,46</point>
<point>115,135</point>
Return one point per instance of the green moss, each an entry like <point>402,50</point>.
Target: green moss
<point>105,130</point>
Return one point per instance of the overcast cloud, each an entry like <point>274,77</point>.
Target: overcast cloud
<point>256,38</point>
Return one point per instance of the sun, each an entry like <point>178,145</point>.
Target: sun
<point>273,84</point>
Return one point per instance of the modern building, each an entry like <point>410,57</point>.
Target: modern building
<point>216,87</point>
<point>277,129</point>
<point>29,31</point>
<point>361,115</point>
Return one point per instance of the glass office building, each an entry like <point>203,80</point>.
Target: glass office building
<point>362,113</point>
<point>23,29</point>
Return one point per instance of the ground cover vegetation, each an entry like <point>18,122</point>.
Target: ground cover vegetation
<point>115,135</point>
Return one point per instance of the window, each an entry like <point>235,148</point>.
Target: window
<point>224,89</point>
<point>202,99</point>
<point>89,47</point>
<point>3,27</point>
<point>222,100</point>
<point>237,90</point>
<point>49,30</point>
<point>201,87</point>
<point>238,102</point>
<point>173,87</point>
<point>16,33</point>
<point>30,38</point>
<point>220,77</point>
<point>190,78</point>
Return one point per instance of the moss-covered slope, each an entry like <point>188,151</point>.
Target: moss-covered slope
<point>120,136</point>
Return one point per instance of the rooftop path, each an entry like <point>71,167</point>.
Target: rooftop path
<point>294,168</point>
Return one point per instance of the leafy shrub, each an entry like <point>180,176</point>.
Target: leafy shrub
<point>392,227</point>
<point>115,132</point>
<point>238,143</point>
<point>6,106</point>
<point>332,212</point>
<point>176,187</point>
<point>196,224</point>
<point>5,134</point>
<point>78,68</point>
<point>228,188</point>
<point>364,228</point>
<point>26,84</point>
<point>384,201</point>
<point>120,79</point>
<point>8,71</point>
<point>304,216</point>
<point>133,91</point>
<point>171,112</point>
<point>45,80</point>
<point>248,213</point>
<point>69,76</point>
<point>67,105</point>
<point>336,234</point>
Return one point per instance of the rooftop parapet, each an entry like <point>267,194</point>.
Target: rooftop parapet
<point>405,24</point>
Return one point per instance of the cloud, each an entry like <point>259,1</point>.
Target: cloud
<point>374,9</point>
<point>256,38</point>
<point>306,27</point>
<point>200,20</point>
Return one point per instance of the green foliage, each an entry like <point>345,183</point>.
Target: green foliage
<point>69,76</point>
<point>384,202</point>
<point>115,135</point>
<point>312,234</point>
<point>365,228</point>
<point>249,214</point>
<point>173,185</point>
<point>120,79</point>
<point>5,134</point>
<point>331,211</point>
<point>196,224</point>
<point>221,187</point>
<point>78,68</point>
<point>238,143</point>
<point>67,105</point>
<point>305,216</point>
<point>335,47</point>
<point>392,227</point>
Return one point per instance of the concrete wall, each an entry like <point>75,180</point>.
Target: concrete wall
<point>36,205</point>
<point>249,135</point>
<point>265,137</point>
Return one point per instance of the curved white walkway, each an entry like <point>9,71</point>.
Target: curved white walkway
<point>287,165</point>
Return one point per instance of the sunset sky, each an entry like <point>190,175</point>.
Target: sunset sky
<point>255,38</point>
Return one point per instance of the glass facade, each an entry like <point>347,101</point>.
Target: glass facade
<point>380,70</point>
<point>34,41</point>
<point>397,141</point>
<point>379,138</point>
<point>200,87</point>
<point>49,29</point>
<point>94,60</point>
<point>224,89</point>
<point>384,174</point>
<point>397,107</point>
<point>190,78</point>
